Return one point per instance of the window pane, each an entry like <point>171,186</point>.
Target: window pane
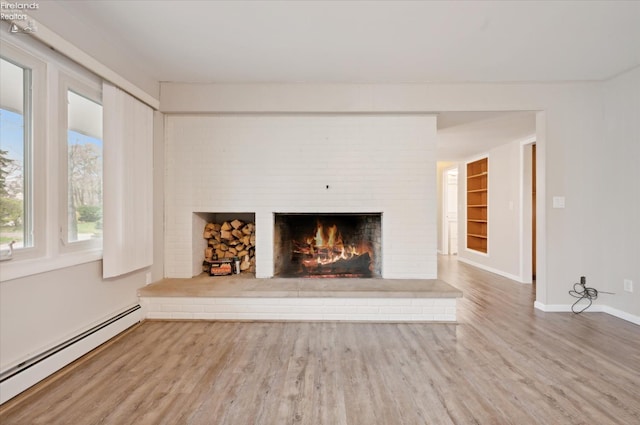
<point>84,150</point>
<point>15,148</point>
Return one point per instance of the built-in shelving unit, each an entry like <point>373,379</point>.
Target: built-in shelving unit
<point>477,204</point>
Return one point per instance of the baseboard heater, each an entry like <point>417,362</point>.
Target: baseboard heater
<point>37,359</point>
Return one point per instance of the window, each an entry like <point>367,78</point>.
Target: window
<point>51,160</point>
<point>16,179</point>
<point>82,159</point>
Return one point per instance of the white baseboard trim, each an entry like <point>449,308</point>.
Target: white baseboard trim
<point>595,308</point>
<point>564,308</point>
<point>621,314</point>
<point>492,270</point>
<point>30,376</point>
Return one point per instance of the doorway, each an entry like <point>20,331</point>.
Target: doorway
<point>528,215</point>
<point>533,212</point>
<point>450,211</point>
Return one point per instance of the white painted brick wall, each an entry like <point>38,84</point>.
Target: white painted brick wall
<point>349,309</point>
<point>267,164</point>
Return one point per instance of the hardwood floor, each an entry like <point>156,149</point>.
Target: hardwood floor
<point>503,363</point>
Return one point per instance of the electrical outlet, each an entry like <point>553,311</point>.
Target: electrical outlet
<point>558,202</point>
<point>628,285</point>
<point>148,277</point>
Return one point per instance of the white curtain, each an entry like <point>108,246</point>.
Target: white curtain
<point>128,183</point>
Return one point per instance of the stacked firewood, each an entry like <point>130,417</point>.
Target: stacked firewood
<point>232,239</point>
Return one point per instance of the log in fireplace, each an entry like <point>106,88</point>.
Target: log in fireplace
<point>328,245</point>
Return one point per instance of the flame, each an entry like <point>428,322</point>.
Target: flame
<point>326,247</point>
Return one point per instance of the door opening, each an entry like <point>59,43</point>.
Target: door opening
<point>451,211</point>
<point>533,212</point>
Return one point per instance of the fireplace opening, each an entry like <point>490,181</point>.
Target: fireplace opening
<point>328,245</point>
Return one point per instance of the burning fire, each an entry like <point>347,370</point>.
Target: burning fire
<point>326,247</point>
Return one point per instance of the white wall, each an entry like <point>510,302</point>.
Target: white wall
<point>283,163</point>
<point>618,202</point>
<point>569,147</point>
<point>40,311</point>
<point>504,243</point>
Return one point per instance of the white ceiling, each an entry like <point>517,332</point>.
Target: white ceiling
<point>364,42</point>
<point>465,134</point>
<point>361,41</point>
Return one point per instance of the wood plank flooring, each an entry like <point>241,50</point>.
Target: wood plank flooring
<point>504,363</point>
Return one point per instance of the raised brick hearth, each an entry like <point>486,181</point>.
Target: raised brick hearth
<point>241,298</point>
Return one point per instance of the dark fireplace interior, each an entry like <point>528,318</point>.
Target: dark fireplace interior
<point>328,245</point>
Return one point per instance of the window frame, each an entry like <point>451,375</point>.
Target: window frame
<point>48,69</point>
<point>93,92</point>
<point>34,160</point>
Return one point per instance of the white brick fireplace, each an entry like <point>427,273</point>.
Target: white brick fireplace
<point>324,163</point>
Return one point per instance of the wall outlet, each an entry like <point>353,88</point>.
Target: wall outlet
<point>628,285</point>
<point>558,202</point>
<point>148,277</point>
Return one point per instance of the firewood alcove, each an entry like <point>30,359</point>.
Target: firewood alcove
<point>230,238</point>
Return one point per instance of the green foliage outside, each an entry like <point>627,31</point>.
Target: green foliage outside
<point>10,212</point>
<point>89,228</point>
<point>88,213</point>
<point>5,162</point>
<point>8,234</point>
<point>11,207</point>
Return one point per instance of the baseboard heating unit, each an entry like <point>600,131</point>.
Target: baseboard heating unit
<point>29,372</point>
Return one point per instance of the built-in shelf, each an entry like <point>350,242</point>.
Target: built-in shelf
<point>484,173</point>
<point>477,204</point>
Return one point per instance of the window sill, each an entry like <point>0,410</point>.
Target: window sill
<point>16,268</point>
